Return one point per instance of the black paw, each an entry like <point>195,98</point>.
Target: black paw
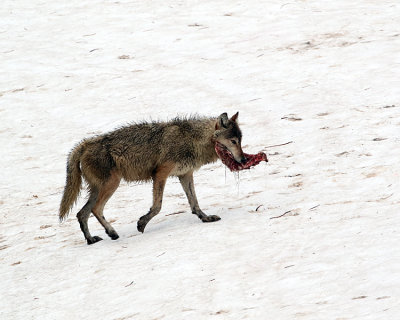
<point>141,225</point>
<point>93,240</point>
<point>210,218</point>
<point>113,234</point>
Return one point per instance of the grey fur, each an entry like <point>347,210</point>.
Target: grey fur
<point>143,152</point>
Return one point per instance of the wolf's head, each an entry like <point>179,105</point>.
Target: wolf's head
<point>228,136</point>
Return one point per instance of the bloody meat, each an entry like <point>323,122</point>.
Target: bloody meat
<point>227,158</point>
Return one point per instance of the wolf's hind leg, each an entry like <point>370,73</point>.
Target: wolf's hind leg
<point>188,186</point>
<point>159,180</point>
<point>83,216</point>
<point>105,193</point>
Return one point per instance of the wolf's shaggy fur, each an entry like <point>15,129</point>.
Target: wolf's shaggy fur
<point>143,152</point>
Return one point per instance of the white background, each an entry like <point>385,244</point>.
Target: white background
<point>323,74</point>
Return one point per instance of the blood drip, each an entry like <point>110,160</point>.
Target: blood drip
<point>228,160</point>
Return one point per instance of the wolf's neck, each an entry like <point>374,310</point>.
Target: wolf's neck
<point>209,154</point>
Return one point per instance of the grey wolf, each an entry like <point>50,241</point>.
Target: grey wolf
<point>147,151</point>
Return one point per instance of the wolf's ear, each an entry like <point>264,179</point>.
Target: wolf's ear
<point>235,116</point>
<point>222,121</point>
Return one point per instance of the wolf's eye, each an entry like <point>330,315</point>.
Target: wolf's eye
<point>233,141</point>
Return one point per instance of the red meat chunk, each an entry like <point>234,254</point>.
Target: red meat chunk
<point>228,160</point>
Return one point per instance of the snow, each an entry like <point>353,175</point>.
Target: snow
<point>323,74</point>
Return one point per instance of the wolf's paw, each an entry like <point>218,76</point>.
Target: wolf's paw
<point>211,218</point>
<point>93,240</point>
<point>113,234</point>
<point>141,224</point>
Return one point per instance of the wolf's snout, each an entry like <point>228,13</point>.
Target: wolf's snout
<point>244,160</point>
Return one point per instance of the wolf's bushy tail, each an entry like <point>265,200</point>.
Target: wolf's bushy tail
<point>73,181</point>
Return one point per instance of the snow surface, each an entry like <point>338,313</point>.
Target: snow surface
<point>323,74</point>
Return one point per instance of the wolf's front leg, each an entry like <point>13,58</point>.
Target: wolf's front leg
<point>188,186</point>
<point>159,179</point>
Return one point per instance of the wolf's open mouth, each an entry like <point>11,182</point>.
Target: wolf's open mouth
<point>227,158</point>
